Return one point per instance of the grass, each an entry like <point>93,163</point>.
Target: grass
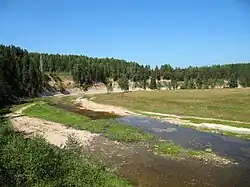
<point>228,104</point>
<point>35,162</point>
<point>108,127</point>
<point>19,106</point>
<point>65,99</point>
<point>47,112</point>
<point>168,148</point>
<point>229,123</point>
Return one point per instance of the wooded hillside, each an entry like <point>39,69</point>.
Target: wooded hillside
<point>22,74</point>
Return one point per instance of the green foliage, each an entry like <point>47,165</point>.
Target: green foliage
<point>191,84</point>
<point>153,84</point>
<point>232,82</point>
<point>124,83</point>
<point>168,148</point>
<point>34,162</point>
<point>159,85</point>
<point>21,76</point>
<point>243,81</point>
<point>198,82</point>
<point>48,112</point>
<point>109,86</point>
<point>185,84</point>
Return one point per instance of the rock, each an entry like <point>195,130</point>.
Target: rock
<point>208,150</point>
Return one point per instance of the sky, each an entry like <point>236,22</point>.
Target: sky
<point>176,32</point>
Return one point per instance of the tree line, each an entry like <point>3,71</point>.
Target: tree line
<point>22,73</point>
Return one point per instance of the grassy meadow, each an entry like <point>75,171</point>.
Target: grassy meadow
<point>228,104</point>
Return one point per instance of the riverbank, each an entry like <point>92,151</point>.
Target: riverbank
<point>138,161</point>
<point>232,128</point>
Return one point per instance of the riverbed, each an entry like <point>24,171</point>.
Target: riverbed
<point>142,166</point>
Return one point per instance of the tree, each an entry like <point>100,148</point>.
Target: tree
<point>159,85</point>
<point>153,84</point>
<point>144,81</point>
<point>232,82</point>
<point>243,81</point>
<point>191,84</point>
<point>185,84</point>
<point>109,86</point>
<point>205,84</point>
<point>198,82</point>
<point>174,84</point>
<point>124,83</point>
<point>157,73</point>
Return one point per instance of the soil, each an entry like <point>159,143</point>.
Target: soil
<point>90,105</point>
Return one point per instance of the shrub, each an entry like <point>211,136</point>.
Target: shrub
<point>35,162</point>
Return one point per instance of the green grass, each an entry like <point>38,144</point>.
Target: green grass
<point>108,127</point>
<point>228,104</point>
<point>19,106</point>
<point>168,148</point>
<point>65,99</point>
<point>229,123</point>
<point>35,162</point>
<point>47,112</point>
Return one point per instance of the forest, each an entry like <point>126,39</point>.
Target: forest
<point>23,74</point>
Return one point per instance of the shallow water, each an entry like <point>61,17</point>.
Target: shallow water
<point>236,148</point>
<point>143,168</point>
<point>89,113</point>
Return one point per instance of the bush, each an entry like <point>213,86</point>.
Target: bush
<point>34,162</point>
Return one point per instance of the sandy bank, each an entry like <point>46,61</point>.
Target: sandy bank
<point>54,133</point>
<point>90,105</point>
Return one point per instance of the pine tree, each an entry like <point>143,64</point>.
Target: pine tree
<point>153,84</point>
<point>232,82</point>
<point>198,82</point>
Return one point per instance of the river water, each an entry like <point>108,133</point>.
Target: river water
<point>143,168</point>
<point>233,147</point>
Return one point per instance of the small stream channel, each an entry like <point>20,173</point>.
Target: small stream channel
<point>164,171</point>
<point>228,146</point>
